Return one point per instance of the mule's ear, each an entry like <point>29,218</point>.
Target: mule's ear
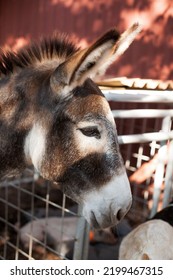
<point>104,52</point>
<point>93,61</point>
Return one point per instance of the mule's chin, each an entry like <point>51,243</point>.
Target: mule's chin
<point>107,206</point>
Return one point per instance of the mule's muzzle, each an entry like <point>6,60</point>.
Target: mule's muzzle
<point>107,206</point>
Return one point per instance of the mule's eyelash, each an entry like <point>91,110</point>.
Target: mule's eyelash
<point>91,131</point>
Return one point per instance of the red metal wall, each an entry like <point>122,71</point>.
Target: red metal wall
<point>151,56</point>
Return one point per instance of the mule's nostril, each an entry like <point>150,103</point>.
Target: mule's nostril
<point>120,215</point>
<point>123,211</point>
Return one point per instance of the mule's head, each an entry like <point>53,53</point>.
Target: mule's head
<point>77,145</point>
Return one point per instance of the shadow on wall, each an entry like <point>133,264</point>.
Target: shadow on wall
<point>148,57</point>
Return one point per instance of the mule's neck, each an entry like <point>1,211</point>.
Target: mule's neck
<point>20,104</point>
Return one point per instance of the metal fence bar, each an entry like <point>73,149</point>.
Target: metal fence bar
<point>142,113</point>
<point>158,179</point>
<point>82,238</point>
<point>159,174</point>
<point>145,137</point>
<point>139,96</point>
<point>168,177</point>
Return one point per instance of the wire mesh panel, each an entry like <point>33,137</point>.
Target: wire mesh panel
<point>38,222</point>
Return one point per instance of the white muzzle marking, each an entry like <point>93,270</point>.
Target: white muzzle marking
<point>107,205</point>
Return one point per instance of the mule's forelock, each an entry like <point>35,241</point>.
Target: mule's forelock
<point>92,61</point>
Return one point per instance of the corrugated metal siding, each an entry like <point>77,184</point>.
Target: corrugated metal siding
<point>148,57</point>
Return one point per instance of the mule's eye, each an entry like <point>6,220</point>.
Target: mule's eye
<point>91,131</point>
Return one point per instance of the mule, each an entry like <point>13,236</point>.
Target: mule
<point>54,117</point>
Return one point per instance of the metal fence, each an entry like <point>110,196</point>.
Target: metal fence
<point>145,117</point>
<point>38,222</point>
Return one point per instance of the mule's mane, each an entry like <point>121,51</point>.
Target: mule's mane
<point>57,46</point>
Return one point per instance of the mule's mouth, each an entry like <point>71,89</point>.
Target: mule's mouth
<point>101,221</point>
<point>105,222</point>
